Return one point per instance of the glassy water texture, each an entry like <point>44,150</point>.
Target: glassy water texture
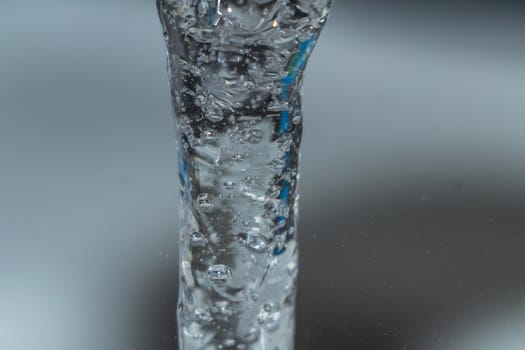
<point>235,69</point>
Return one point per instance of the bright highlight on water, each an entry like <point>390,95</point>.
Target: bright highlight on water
<point>235,70</point>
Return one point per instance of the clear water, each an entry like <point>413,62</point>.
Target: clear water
<point>235,71</point>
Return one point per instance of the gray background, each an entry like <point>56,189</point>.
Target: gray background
<point>413,178</point>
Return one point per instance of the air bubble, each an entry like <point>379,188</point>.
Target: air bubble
<point>200,100</point>
<point>272,321</point>
<point>262,316</point>
<point>229,185</point>
<point>253,136</point>
<point>214,238</point>
<point>249,180</point>
<point>204,201</point>
<point>214,115</point>
<point>208,136</point>
<point>219,273</point>
<point>253,334</point>
<point>222,308</point>
<point>291,268</point>
<point>252,241</point>
<point>221,58</point>
<point>203,316</point>
<point>229,342</point>
<point>198,239</point>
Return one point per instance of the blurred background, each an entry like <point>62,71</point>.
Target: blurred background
<point>413,178</point>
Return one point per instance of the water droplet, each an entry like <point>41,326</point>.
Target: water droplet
<point>204,201</point>
<point>229,185</point>
<point>198,239</point>
<point>219,273</point>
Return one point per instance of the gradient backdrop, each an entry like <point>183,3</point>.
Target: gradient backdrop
<point>413,178</point>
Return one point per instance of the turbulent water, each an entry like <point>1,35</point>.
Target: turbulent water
<point>235,72</point>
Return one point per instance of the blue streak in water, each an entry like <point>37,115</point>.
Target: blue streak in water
<point>304,50</point>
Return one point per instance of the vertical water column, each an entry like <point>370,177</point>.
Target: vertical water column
<point>235,70</point>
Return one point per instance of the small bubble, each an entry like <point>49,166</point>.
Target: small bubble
<point>203,316</point>
<point>289,290</point>
<point>238,157</point>
<point>223,308</point>
<point>200,100</point>
<point>197,239</point>
<point>297,117</point>
<point>195,70</point>
<point>261,316</point>
<point>291,268</point>
<point>252,241</point>
<point>221,58</point>
<point>272,64</point>
<point>189,21</point>
<point>253,335</point>
<point>280,241</point>
<point>253,136</point>
<point>272,322</point>
<point>229,342</point>
<point>249,179</point>
<point>208,136</point>
<point>214,115</point>
<point>268,307</point>
<point>229,185</point>
<point>204,201</point>
<point>214,238</point>
<point>219,273</point>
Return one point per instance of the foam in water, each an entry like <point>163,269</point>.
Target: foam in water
<point>235,70</point>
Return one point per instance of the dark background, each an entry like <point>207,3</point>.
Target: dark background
<point>413,178</point>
